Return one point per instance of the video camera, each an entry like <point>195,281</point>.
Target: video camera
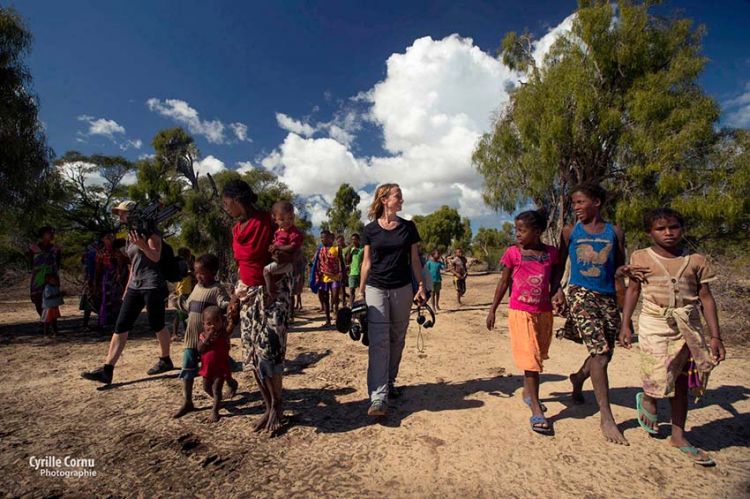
<point>146,220</point>
<point>354,320</point>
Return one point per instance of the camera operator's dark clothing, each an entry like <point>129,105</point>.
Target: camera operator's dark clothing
<point>390,252</point>
<point>146,273</point>
<point>147,288</point>
<point>135,300</point>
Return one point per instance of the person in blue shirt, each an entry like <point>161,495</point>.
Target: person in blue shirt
<point>597,260</point>
<point>434,267</point>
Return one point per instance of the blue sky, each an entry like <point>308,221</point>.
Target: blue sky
<point>321,92</point>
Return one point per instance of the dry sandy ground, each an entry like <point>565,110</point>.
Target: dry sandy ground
<point>459,430</point>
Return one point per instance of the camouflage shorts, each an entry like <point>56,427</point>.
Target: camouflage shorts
<point>593,318</point>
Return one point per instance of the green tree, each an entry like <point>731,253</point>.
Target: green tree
<point>442,229</point>
<point>343,215</point>
<point>204,227</point>
<point>24,155</point>
<point>91,184</point>
<point>163,176</point>
<point>491,243</point>
<point>717,209</point>
<point>615,101</point>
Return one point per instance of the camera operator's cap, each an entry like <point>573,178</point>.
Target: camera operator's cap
<point>124,206</point>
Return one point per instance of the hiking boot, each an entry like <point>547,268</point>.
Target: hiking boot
<point>100,374</point>
<point>163,365</point>
<point>377,408</point>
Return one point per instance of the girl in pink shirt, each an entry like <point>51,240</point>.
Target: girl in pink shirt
<point>535,271</point>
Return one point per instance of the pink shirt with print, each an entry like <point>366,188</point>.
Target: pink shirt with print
<point>531,275</point>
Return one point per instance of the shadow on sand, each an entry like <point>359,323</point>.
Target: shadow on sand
<point>733,431</point>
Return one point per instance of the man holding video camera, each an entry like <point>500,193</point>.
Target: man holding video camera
<point>147,288</point>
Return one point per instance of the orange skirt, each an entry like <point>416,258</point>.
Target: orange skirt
<point>530,337</point>
<point>51,314</point>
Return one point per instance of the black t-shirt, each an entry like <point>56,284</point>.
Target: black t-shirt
<point>390,252</point>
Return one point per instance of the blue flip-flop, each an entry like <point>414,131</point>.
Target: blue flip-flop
<point>535,420</point>
<point>643,412</point>
<point>527,401</point>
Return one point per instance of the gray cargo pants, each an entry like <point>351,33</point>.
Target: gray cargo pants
<point>388,319</point>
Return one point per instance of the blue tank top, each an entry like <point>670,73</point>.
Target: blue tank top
<point>592,259</point>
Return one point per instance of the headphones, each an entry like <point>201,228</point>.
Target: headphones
<point>424,321</point>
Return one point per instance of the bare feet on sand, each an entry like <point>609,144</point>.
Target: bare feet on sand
<point>612,433</point>
<point>271,421</point>
<point>232,384</point>
<point>274,420</point>
<point>214,417</point>
<point>184,410</point>
<point>262,422</point>
<point>577,394</point>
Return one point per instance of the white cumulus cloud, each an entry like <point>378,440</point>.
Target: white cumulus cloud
<point>315,166</point>
<point>109,129</point>
<point>181,112</point>
<point>437,99</point>
<point>245,166</point>
<point>102,126</point>
<point>240,131</point>
<point>544,44</point>
<point>209,164</point>
<point>738,109</point>
<point>295,126</point>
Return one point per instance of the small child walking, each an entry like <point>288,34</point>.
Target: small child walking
<point>214,348</point>
<point>286,239</point>
<point>354,265</point>
<point>51,301</point>
<point>675,357</point>
<point>327,274</point>
<point>206,292</point>
<point>535,270</point>
<point>460,271</point>
<point>434,267</point>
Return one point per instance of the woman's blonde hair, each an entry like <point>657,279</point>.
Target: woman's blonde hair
<point>376,207</point>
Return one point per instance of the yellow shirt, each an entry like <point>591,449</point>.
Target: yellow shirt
<point>185,286</point>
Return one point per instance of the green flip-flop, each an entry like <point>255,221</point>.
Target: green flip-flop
<point>644,413</point>
<point>695,454</point>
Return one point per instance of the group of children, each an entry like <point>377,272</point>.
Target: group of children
<point>674,285</point>
<point>335,268</point>
<point>212,315</point>
<point>45,258</point>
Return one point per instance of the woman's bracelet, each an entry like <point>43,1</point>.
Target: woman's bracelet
<point>717,338</point>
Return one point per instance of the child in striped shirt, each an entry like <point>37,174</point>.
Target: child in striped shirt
<point>207,292</point>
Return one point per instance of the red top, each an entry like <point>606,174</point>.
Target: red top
<point>291,236</point>
<point>250,245</point>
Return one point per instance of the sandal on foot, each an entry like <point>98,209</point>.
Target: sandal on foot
<point>537,420</point>
<point>643,413</point>
<point>527,401</point>
<point>697,456</point>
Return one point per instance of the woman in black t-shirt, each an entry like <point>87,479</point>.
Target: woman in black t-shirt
<point>390,259</point>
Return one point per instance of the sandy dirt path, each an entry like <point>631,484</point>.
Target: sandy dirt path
<point>459,430</point>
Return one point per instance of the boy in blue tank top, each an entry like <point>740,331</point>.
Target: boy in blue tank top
<point>597,256</point>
